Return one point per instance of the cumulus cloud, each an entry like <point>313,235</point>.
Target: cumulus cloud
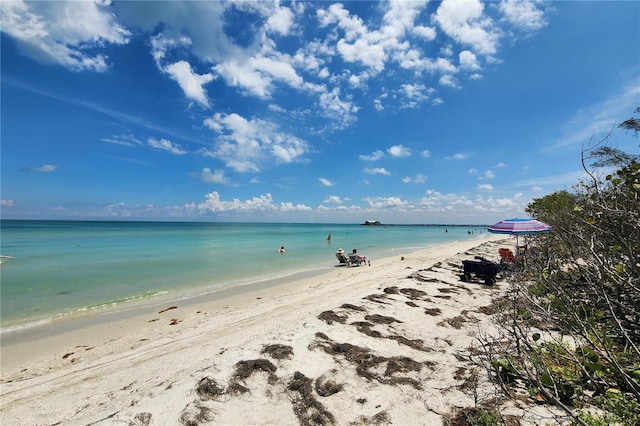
<point>374,156</point>
<point>263,203</point>
<point>6,203</point>
<point>244,144</point>
<point>449,81</point>
<point>68,33</point>
<point>418,178</point>
<point>386,202</point>
<point>208,176</point>
<point>399,151</point>
<point>425,153</point>
<point>166,145</point>
<point>466,23</point>
<point>281,21</point>
<point>523,14</point>
<point>427,33</point>
<point>468,60</point>
<point>334,199</point>
<point>190,82</point>
<point>192,45</point>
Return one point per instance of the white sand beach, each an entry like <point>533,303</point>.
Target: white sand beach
<point>379,344</point>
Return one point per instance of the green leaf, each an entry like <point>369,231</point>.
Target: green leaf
<point>536,337</point>
<point>546,380</point>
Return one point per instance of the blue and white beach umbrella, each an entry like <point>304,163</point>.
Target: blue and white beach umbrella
<point>519,226</point>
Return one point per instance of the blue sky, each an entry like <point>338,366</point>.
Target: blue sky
<point>405,112</point>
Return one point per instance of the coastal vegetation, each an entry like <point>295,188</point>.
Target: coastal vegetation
<point>569,327</point>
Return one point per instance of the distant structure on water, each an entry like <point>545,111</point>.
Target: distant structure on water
<point>372,223</point>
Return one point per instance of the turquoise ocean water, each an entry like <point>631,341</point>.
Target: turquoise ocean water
<point>67,267</point>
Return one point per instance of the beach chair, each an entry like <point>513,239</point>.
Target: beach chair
<point>344,260</point>
<point>354,259</point>
<point>507,255</point>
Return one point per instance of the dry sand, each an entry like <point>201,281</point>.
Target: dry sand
<point>380,344</point>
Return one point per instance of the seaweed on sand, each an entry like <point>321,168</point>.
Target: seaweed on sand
<point>381,319</point>
<point>277,351</point>
<point>353,307</point>
<point>305,406</point>
<point>244,369</point>
<point>414,344</point>
<point>195,414</point>
<point>329,317</point>
<point>326,386</point>
<point>455,322</point>
<point>368,365</point>
<point>391,290</point>
<point>365,328</point>
<point>209,388</point>
<point>381,418</point>
<point>377,298</point>
<point>413,293</point>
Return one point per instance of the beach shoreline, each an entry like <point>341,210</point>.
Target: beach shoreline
<point>146,368</point>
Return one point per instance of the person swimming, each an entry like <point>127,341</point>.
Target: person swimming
<point>281,249</point>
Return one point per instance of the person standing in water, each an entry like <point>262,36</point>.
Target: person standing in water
<point>329,237</point>
<point>281,250</point>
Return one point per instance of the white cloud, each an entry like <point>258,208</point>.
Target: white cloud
<point>425,153</point>
<point>6,203</point>
<point>458,156</point>
<point>244,144</point>
<point>399,151</point>
<point>468,60</point>
<point>166,145</point>
<point>341,110</point>
<point>374,156</point>
<point>334,199</point>
<point>427,33</point>
<point>449,81</point>
<point>190,82</point>
<point>263,203</point>
<point>373,48</point>
<point>207,176</point>
<point>488,174</point>
<point>376,171</point>
<point>465,23</point>
<point>63,32</point>
<point>385,202</point>
<point>281,21</point>
<point>46,168</point>
<point>418,178</point>
<point>325,182</point>
<point>485,187</point>
<point>415,93</point>
<point>124,140</point>
<point>523,14</point>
